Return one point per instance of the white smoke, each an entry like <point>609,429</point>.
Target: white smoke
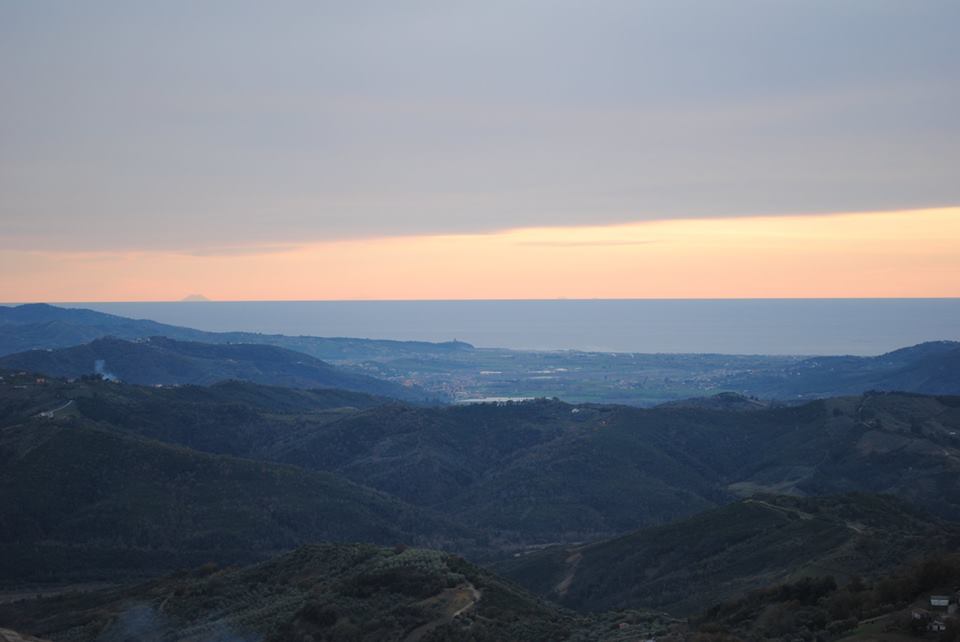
<point>100,367</point>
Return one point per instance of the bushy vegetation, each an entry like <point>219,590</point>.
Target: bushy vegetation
<point>820,609</point>
<point>81,502</point>
<point>685,566</point>
<point>513,474</point>
<point>106,480</point>
<point>322,592</point>
<point>113,481</point>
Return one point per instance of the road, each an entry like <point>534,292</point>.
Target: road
<point>50,414</point>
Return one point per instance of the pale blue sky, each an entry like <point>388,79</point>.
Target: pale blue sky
<point>220,126</point>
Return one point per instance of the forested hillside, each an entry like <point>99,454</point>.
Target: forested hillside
<point>726,552</point>
<point>325,592</point>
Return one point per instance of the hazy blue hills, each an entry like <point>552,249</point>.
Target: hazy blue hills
<point>165,361</point>
<point>929,368</point>
<point>726,552</point>
<point>457,370</point>
<point>38,326</point>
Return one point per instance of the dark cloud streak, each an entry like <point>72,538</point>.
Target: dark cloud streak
<point>190,127</point>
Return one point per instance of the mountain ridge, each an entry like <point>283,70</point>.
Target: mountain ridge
<point>83,502</point>
<point>543,471</point>
<point>166,361</point>
<point>82,325</point>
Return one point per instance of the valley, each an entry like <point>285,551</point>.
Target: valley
<point>539,321</point>
<point>173,491</point>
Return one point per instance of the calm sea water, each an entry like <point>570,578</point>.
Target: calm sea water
<point>757,326</point>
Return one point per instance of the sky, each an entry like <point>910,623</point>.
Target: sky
<point>523,149</point>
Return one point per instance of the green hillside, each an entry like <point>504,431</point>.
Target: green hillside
<point>892,607</point>
<point>113,481</point>
<point>323,592</point>
<point>80,501</point>
<point>690,564</point>
<point>544,471</point>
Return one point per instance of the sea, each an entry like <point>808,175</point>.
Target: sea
<point>740,326</point>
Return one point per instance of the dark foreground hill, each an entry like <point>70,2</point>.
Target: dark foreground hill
<point>893,607</point>
<point>6,635</point>
<point>164,361</point>
<point>78,501</point>
<point>724,553</point>
<point>324,592</point>
<point>361,592</point>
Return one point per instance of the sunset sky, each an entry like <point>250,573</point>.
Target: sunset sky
<point>531,149</point>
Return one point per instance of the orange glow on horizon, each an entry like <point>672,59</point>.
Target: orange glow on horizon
<point>883,254</point>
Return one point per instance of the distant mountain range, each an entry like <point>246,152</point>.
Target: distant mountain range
<point>164,361</point>
<point>456,370</point>
<point>39,326</point>
<point>930,368</point>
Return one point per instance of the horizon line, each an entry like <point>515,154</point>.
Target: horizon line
<point>489,300</point>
